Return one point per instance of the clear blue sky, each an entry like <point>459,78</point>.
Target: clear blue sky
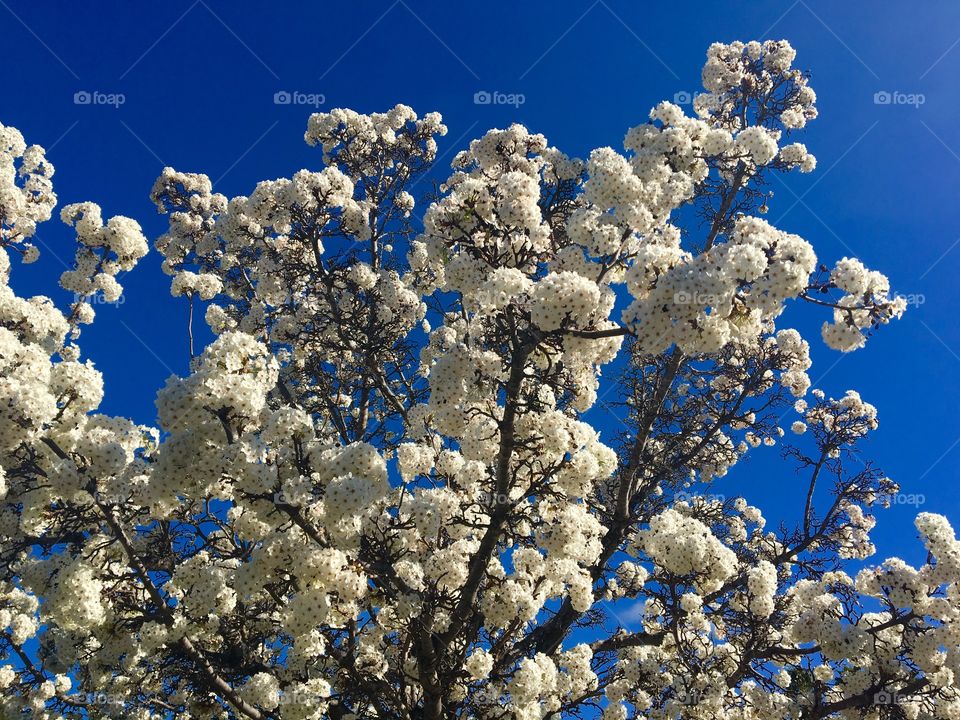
<point>199,80</point>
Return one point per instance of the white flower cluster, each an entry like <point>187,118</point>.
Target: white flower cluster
<point>18,618</point>
<point>796,155</point>
<point>28,405</point>
<point>103,252</point>
<point>491,207</point>
<point>940,540</point>
<point>262,690</point>
<point>685,546</point>
<point>191,224</point>
<point>74,599</point>
<point>844,420</point>
<point>37,394</point>
<point>565,298</point>
<point>26,191</point>
<point>200,586</point>
<point>757,68</point>
<point>205,285</point>
<point>866,303</point>
<point>233,376</point>
<point>641,192</point>
<point>758,143</point>
<point>536,678</point>
<point>726,294</point>
<point>762,586</point>
<point>364,136</point>
<point>275,204</point>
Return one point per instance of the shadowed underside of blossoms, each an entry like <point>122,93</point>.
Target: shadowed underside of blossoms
<point>376,496</point>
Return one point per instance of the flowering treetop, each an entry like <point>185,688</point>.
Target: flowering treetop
<point>376,496</point>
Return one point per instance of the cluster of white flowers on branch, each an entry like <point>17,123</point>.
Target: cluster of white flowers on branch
<point>103,251</point>
<point>376,493</point>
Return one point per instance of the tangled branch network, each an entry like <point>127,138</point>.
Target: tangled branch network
<point>376,495</point>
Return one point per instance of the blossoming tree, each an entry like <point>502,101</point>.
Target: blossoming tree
<point>375,494</point>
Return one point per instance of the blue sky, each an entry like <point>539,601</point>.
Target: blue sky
<point>199,79</point>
